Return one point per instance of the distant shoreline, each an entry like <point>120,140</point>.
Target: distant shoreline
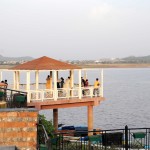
<point>7,66</point>
<point>97,66</point>
<point>115,66</point>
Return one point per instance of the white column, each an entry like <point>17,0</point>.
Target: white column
<point>101,84</point>
<point>1,75</point>
<point>37,80</point>
<point>14,80</point>
<point>28,81</point>
<point>71,82</point>
<point>17,80</point>
<point>28,86</point>
<point>55,85</point>
<point>80,84</point>
<point>72,78</point>
<point>18,83</point>
<point>16,77</point>
<point>51,79</point>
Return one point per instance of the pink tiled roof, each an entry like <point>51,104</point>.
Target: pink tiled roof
<point>45,63</point>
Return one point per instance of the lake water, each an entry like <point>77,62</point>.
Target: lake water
<point>127,94</point>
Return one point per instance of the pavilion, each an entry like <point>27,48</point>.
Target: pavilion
<point>42,98</point>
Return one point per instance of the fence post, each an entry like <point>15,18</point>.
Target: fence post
<point>126,137</point>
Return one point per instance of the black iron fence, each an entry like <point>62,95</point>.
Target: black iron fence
<point>123,139</point>
<point>12,98</point>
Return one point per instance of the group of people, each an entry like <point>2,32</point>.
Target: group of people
<point>67,84</point>
<point>85,83</point>
<point>5,82</point>
<point>61,83</point>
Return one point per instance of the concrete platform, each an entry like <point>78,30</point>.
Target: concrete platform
<point>8,148</point>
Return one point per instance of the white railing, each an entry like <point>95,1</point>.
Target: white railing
<point>87,91</point>
<point>48,94</point>
<point>74,92</point>
<point>63,93</point>
<point>35,95</point>
<point>41,95</point>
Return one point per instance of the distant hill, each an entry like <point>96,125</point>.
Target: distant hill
<point>133,59</point>
<point>17,59</point>
<point>126,60</point>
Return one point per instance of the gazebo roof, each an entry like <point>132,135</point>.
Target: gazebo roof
<point>45,63</point>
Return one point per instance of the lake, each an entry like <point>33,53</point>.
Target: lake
<point>127,94</point>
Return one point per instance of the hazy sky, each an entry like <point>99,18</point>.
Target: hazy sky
<point>74,29</point>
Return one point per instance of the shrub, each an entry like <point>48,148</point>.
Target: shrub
<point>49,128</point>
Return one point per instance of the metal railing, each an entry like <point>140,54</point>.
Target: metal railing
<point>116,139</point>
<point>13,98</point>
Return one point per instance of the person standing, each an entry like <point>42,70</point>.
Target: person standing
<point>83,85</point>
<point>6,83</point>
<point>68,87</point>
<point>48,82</point>
<point>58,83</point>
<point>96,87</point>
<point>68,83</point>
<point>86,91</point>
<point>62,82</point>
<point>82,82</point>
<point>86,83</point>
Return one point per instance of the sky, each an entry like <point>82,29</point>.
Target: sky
<point>75,29</point>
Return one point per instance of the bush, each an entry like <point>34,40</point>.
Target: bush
<point>48,127</point>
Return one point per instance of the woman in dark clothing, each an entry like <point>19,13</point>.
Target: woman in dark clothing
<point>62,82</point>
<point>58,84</point>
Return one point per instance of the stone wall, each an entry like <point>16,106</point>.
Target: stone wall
<point>18,127</point>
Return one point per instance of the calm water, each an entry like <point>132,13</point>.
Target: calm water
<point>127,93</point>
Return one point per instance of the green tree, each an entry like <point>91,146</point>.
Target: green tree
<point>48,126</point>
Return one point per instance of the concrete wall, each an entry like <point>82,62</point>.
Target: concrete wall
<point>18,128</point>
